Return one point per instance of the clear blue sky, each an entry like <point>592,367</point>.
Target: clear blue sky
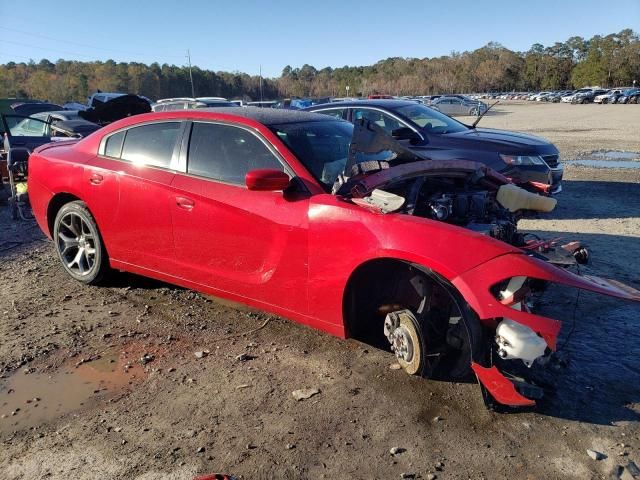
<point>241,35</point>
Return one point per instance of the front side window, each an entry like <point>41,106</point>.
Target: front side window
<point>25,126</point>
<point>227,153</point>
<point>151,144</point>
<point>383,120</point>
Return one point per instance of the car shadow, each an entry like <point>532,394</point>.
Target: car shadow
<point>597,377</point>
<point>587,199</point>
<point>117,279</point>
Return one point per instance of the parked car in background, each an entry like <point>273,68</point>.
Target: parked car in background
<point>24,108</point>
<point>40,128</point>
<point>30,108</point>
<point>168,104</point>
<point>293,103</point>
<point>450,105</point>
<point>610,96</point>
<point>631,95</point>
<point>118,107</point>
<point>587,95</point>
<point>527,159</point>
<point>102,97</point>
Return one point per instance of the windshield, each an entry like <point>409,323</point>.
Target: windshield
<point>430,120</point>
<point>322,147</point>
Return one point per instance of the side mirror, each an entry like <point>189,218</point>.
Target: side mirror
<point>405,133</point>
<point>267,180</point>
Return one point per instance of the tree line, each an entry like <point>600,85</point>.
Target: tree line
<point>608,61</point>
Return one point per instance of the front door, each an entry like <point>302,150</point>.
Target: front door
<point>247,244</point>
<point>25,132</point>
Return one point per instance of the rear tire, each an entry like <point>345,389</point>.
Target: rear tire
<point>78,243</point>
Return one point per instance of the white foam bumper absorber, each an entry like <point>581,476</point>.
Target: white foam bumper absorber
<point>514,198</point>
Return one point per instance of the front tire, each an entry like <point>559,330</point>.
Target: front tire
<point>78,243</point>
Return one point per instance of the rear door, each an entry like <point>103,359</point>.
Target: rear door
<point>457,107</point>
<point>137,224</point>
<point>251,244</point>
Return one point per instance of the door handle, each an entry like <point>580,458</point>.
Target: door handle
<point>185,203</point>
<point>96,178</point>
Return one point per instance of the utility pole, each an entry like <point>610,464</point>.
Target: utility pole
<point>193,92</point>
<point>260,84</point>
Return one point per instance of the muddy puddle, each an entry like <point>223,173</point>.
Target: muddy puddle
<point>617,155</point>
<point>29,400</point>
<point>609,159</point>
<point>606,163</point>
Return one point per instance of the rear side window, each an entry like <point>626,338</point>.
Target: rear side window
<point>151,144</point>
<point>333,112</point>
<point>227,153</point>
<point>113,146</point>
<point>384,121</point>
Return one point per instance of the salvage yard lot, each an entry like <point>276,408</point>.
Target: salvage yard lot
<point>201,387</point>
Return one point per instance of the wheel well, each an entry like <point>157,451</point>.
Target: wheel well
<point>388,283</point>
<point>56,203</point>
<point>449,326</point>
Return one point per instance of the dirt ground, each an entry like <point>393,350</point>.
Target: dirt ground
<point>143,380</point>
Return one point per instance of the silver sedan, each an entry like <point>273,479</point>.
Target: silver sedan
<point>458,106</point>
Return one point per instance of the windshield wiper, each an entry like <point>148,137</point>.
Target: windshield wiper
<point>483,114</point>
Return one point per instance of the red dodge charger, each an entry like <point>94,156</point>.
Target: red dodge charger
<point>336,226</point>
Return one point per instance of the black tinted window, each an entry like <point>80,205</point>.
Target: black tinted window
<point>227,153</point>
<point>333,112</point>
<point>113,147</point>
<point>151,144</point>
<point>384,121</point>
<point>323,147</point>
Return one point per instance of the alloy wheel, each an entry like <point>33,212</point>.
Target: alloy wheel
<point>76,244</point>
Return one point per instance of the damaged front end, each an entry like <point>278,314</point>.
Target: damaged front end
<point>384,176</point>
<point>499,291</point>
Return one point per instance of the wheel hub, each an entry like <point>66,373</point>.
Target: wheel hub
<point>402,345</point>
<point>401,330</point>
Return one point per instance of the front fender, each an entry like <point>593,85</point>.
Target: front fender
<point>475,285</point>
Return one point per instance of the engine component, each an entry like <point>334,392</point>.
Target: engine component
<point>514,198</point>
<point>402,330</point>
<point>517,341</point>
<point>459,207</point>
<point>503,230</point>
<point>441,208</point>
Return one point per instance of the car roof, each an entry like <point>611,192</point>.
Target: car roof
<point>66,114</point>
<point>379,103</point>
<point>270,116</point>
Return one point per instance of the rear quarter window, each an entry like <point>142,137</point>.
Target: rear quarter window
<point>113,145</point>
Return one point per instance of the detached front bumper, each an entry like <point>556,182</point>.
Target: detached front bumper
<point>476,285</point>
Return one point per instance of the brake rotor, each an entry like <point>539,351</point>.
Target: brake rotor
<point>403,332</point>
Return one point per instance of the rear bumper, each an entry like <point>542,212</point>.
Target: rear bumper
<point>40,197</point>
